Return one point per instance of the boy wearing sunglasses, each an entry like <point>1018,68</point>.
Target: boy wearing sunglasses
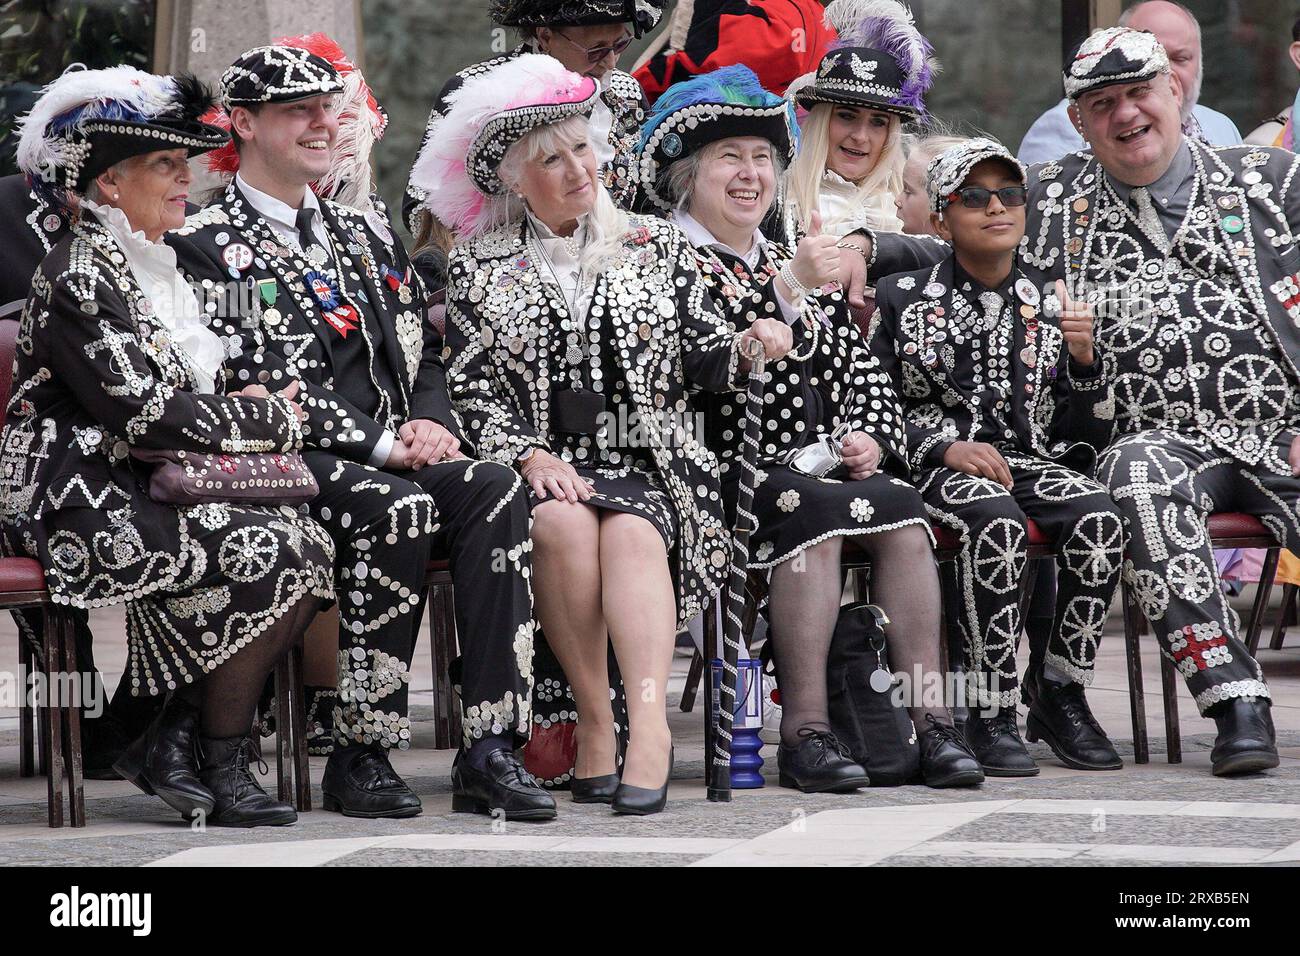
<point>1006,406</point>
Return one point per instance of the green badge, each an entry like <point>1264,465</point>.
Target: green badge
<point>1232,224</point>
<point>267,289</point>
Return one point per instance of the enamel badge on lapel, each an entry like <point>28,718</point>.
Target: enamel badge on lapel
<point>1027,293</point>
<point>237,257</point>
<point>399,282</point>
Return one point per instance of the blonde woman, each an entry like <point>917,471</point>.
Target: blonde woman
<point>850,165</point>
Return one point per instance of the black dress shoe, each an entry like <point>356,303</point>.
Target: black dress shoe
<point>594,789</point>
<point>164,760</point>
<point>240,799</point>
<point>1059,716</point>
<point>103,741</point>
<point>642,801</point>
<point>995,742</point>
<point>819,763</point>
<point>946,759</point>
<point>360,782</point>
<point>1246,742</point>
<point>502,785</point>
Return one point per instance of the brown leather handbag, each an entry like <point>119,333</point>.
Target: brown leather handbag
<point>197,478</point>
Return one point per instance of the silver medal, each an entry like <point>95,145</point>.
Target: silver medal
<point>881,681</point>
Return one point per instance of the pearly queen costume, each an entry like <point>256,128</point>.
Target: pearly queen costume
<point>988,365</point>
<point>528,329</point>
<point>343,314</point>
<point>1197,283</point>
<point>112,355</point>
<point>616,114</point>
<point>827,386</point>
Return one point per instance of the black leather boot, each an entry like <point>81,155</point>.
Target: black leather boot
<point>103,741</point>
<point>1059,716</point>
<point>1246,741</point>
<point>946,759</point>
<point>502,785</point>
<point>995,742</point>
<point>360,782</point>
<point>164,760</point>
<point>240,799</point>
<point>819,763</point>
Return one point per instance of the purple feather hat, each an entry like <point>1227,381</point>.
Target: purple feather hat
<point>881,61</point>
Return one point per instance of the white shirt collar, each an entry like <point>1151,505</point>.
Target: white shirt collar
<point>700,236</point>
<point>176,307</point>
<point>280,214</point>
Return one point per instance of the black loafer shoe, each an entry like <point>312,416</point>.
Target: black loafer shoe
<point>594,789</point>
<point>240,799</point>
<point>819,763</point>
<point>360,782</point>
<point>946,759</point>
<point>1059,716</point>
<point>995,742</point>
<point>1246,741</point>
<point>164,761</point>
<point>503,785</point>
<point>642,801</point>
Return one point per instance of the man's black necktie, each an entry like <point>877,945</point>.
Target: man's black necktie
<point>311,248</point>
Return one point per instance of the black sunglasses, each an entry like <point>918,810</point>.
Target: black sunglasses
<point>977,197</point>
<point>597,53</point>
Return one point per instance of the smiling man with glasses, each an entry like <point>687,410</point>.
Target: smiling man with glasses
<point>587,36</point>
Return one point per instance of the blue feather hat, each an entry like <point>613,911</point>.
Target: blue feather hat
<point>704,109</point>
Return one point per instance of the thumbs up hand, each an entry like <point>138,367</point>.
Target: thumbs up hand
<point>817,259</point>
<point>1076,325</point>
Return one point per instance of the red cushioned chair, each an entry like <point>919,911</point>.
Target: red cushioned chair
<point>22,585</point>
<point>1229,530</point>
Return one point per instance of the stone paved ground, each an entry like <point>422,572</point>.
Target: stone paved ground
<point>1153,814</point>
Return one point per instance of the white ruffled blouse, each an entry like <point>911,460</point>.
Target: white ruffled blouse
<point>175,305</point>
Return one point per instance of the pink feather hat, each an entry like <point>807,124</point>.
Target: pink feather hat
<point>459,164</point>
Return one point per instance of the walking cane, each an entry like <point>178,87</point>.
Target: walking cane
<point>720,780</point>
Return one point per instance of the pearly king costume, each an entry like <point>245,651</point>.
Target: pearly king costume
<point>617,112</point>
<point>1197,284</point>
<point>112,356</point>
<point>988,365</point>
<point>342,313</point>
<point>828,385</point>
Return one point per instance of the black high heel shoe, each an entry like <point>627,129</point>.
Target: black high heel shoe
<point>594,789</point>
<point>597,789</point>
<point>641,801</point>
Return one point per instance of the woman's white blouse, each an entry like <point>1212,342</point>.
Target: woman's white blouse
<point>844,211</point>
<point>175,305</point>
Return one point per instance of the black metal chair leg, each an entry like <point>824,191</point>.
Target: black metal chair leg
<point>1262,591</point>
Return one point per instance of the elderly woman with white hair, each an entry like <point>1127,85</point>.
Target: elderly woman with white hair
<point>712,151</point>
<point>116,367</point>
<point>572,331</point>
